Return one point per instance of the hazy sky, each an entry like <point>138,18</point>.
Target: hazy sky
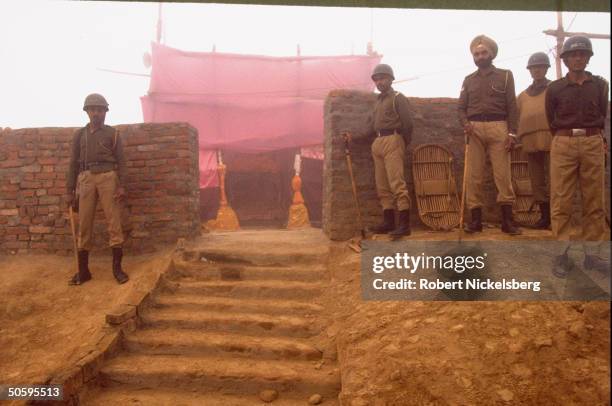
<point>51,51</point>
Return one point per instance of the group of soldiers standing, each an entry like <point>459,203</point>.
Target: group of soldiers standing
<point>559,124</point>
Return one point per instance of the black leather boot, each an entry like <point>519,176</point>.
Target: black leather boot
<point>403,227</point>
<point>117,271</point>
<point>476,225</point>
<point>544,221</point>
<point>593,262</point>
<point>562,266</point>
<point>388,223</point>
<point>83,275</point>
<point>508,226</point>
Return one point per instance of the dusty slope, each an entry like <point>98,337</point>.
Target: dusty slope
<point>461,353</point>
<point>44,323</point>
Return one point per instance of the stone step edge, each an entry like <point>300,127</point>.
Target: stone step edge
<point>74,377</point>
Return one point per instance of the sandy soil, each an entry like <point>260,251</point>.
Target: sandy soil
<point>466,353</point>
<point>46,324</point>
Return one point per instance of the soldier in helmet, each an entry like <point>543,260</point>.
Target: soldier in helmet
<point>576,108</point>
<point>535,135</point>
<point>97,166</point>
<point>392,127</point>
<point>489,116</point>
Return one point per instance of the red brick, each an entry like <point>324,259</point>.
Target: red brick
<point>58,191</point>
<point>45,175</point>
<point>30,185</point>
<point>15,244</point>
<point>48,161</point>
<point>26,153</point>
<point>32,168</point>
<point>13,163</point>
<point>9,212</point>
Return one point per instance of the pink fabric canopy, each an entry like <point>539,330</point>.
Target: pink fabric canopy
<point>248,103</point>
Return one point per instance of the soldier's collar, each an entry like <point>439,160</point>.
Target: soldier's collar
<point>534,90</point>
<point>88,128</point>
<point>486,71</point>
<point>568,81</point>
<point>382,95</point>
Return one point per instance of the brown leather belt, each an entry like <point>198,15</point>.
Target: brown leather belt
<point>384,132</point>
<point>578,132</point>
<point>487,117</point>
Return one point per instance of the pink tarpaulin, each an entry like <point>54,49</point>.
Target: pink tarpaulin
<point>248,103</point>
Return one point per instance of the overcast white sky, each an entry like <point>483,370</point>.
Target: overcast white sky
<point>50,51</point>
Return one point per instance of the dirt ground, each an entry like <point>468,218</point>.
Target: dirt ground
<point>389,353</point>
<point>466,353</point>
<point>45,324</point>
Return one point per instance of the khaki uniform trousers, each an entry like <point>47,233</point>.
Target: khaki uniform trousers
<point>539,167</point>
<point>537,147</point>
<point>388,153</point>
<point>94,187</point>
<point>578,161</point>
<point>489,138</point>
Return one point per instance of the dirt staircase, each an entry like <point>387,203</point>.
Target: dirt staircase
<point>239,314</point>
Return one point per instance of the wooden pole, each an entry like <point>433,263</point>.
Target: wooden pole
<point>560,39</point>
<point>159,23</point>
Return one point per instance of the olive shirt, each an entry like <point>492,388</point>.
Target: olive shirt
<point>101,150</point>
<point>392,112</point>
<point>489,91</point>
<point>570,105</point>
<point>386,116</point>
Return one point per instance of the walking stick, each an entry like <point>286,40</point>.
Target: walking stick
<point>74,241</point>
<point>349,164</point>
<point>463,184</point>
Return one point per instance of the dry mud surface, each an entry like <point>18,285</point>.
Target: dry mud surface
<point>388,353</point>
<point>466,353</point>
<point>45,324</point>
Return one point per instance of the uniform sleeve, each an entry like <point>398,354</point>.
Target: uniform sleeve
<point>511,108</point>
<point>603,103</point>
<point>403,109</point>
<point>463,103</point>
<point>549,102</point>
<point>519,102</point>
<point>73,167</point>
<point>120,157</point>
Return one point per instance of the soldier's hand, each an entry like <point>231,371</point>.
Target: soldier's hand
<point>348,137</point>
<point>510,143</point>
<point>72,201</point>
<point>70,197</point>
<point>468,128</point>
<point>120,194</point>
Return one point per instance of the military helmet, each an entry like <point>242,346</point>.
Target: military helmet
<point>95,99</point>
<point>577,43</point>
<point>383,69</point>
<point>538,59</point>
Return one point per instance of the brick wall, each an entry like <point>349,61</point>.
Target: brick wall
<point>162,188</point>
<point>435,121</point>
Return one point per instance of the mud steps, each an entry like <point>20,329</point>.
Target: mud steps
<point>219,374</point>
<point>134,395</point>
<point>225,326</point>
<point>237,305</point>
<point>179,342</point>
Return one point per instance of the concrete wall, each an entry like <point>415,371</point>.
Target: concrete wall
<point>162,187</point>
<point>435,121</point>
